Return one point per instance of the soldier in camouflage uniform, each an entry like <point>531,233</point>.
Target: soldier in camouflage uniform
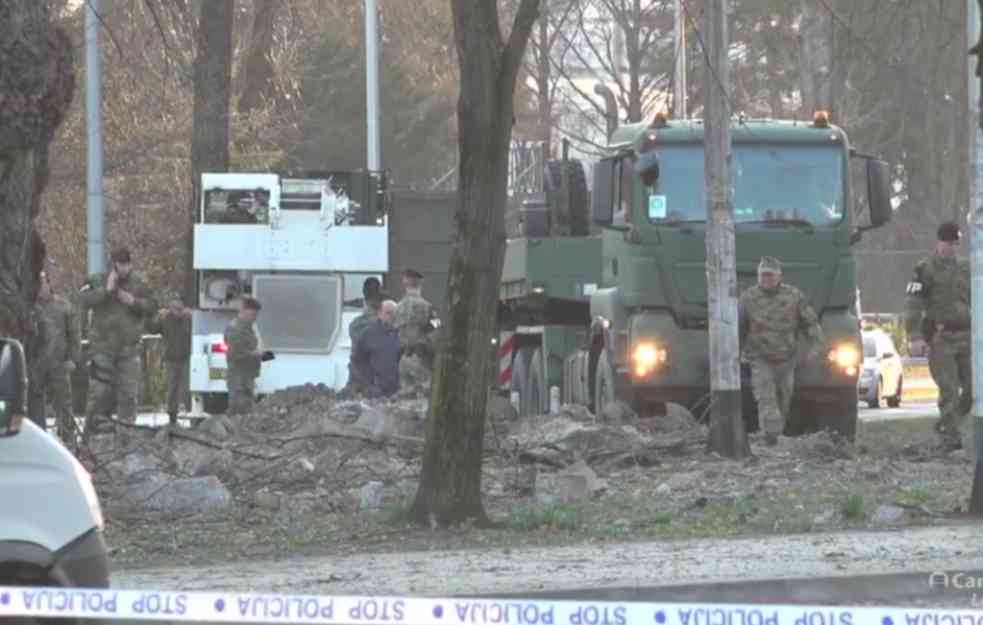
<point>772,314</point>
<point>50,380</point>
<point>120,302</point>
<point>413,317</point>
<point>244,357</point>
<point>174,325</point>
<point>938,316</point>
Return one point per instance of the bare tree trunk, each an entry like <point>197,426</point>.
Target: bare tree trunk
<point>816,57</point>
<point>210,128</point>
<point>635,54</point>
<point>450,483</point>
<point>543,84</point>
<point>37,83</point>
<point>259,85</point>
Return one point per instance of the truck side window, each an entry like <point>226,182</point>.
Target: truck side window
<point>623,175</point>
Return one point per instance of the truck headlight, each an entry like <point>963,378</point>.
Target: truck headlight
<point>845,357</point>
<point>646,357</point>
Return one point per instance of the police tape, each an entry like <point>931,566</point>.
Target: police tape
<point>223,607</point>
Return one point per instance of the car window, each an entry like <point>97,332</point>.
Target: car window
<point>870,348</point>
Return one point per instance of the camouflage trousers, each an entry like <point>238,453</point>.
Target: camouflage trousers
<point>242,391</point>
<point>773,384</point>
<point>114,378</point>
<point>51,384</point>
<point>177,386</point>
<point>950,365</point>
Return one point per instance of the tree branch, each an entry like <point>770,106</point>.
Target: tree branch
<point>525,18</point>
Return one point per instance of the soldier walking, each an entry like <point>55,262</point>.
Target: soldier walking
<point>244,357</point>
<point>51,379</point>
<point>937,320</point>
<point>412,320</point>
<point>174,324</point>
<point>771,315</point>
<point>120,302</point>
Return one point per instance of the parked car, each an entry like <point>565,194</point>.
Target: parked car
<point>882,376</point>
<point>51,525</point>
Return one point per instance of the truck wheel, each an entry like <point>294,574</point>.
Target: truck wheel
<point>838,413</point>
<point>215,403</point>
<point>605,390</point>
<point>520,377</point>
<point>537,394</point>
<point>573,218</point>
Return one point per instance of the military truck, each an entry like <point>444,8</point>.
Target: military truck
<point>622,314</point>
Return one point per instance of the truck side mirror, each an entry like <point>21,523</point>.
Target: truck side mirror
<point>13,386</point>
<point>879,192</point>
<point>602,195</point>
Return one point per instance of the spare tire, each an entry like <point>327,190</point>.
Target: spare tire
<point>570,217</point>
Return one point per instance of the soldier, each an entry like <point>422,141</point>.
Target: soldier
<point>120,302</point>
<point>174,324</point>
<point>938,316</point>
<point>413,317</point>
<point>244,357</point>
<point>771,315</point>
<point>60,355</point>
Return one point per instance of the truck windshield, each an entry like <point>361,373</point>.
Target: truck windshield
<point>780,184</point>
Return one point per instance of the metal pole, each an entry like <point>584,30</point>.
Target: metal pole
<point>372,83</point>
<point>727,434</point>
<point>679,72</point>
<point>976,243</point>
<point>93,110</point>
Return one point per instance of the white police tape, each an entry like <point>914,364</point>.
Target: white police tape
<point>223,607</point>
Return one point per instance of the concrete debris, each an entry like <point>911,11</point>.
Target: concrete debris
<point>617,412</point>
<point>574,483</point>
<point>267,500</point>
<point>370,496</point>
<point>663,489</point>
<point>180,497</point>
<point>887,514</point>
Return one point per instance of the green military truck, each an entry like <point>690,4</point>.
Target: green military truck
<point>621,314</point>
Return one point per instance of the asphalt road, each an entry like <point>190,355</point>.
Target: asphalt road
<point>905,411</point>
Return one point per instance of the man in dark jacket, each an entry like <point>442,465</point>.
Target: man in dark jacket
<point>377,353</point>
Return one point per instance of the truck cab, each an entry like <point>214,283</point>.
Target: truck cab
<point>643,294</point>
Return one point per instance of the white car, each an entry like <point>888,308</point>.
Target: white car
<point>882,376</point>
<point>51,526</point>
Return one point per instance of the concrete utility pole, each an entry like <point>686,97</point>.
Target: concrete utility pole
<point>976,243</point>
<point>727,435</point>
<point>372,84</point>
<point>93,125</point>
<point>679,72</point>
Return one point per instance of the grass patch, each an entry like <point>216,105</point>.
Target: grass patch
<point>555,517</point>
<point>916,495</point>
<point>396,512</point>
<point>853,507</point>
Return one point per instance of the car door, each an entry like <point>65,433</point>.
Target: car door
<point>890,365</point>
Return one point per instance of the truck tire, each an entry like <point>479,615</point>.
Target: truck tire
<point>215,403</point>
<point>839,414</point>
<point>520,377</point>
<point>573,216</point>
<point>605,384</point>
<point>537,392</point>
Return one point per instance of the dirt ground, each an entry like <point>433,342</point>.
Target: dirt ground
<point>312,475</point>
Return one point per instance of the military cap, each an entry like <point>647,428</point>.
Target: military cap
<point>770,264</point>
<point>120,255</point>
<point>949,231</point>
<point>413,273</point>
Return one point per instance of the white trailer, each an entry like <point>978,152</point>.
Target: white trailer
<point>302,247</point>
